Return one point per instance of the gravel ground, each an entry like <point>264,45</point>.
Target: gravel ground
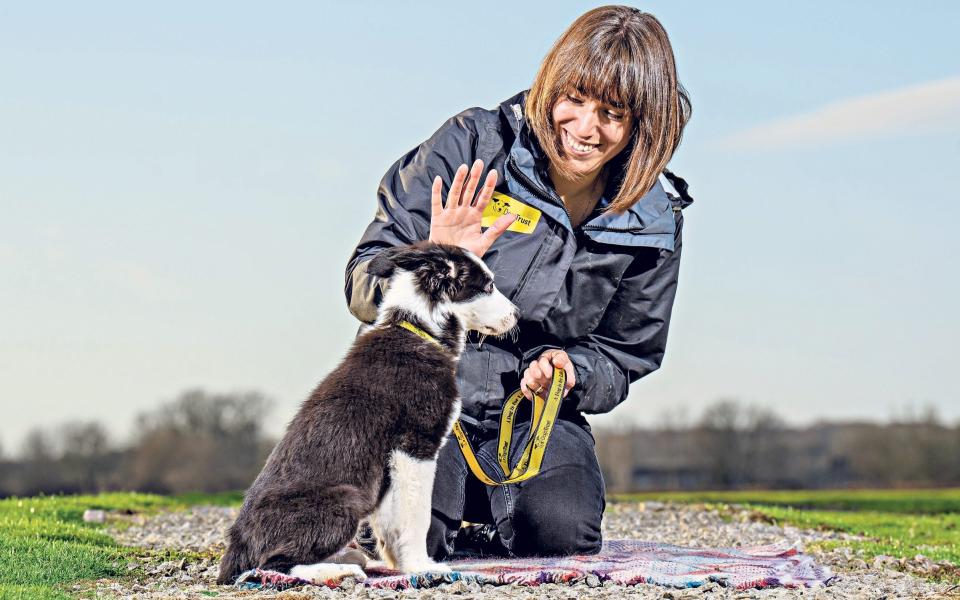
<point>202,530</point>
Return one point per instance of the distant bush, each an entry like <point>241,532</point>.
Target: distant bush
<point>735,446</point>
<point>198,442</point>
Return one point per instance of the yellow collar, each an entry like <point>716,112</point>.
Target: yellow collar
<point>411,327</point>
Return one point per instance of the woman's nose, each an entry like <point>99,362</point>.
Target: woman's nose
<point>585,123</point>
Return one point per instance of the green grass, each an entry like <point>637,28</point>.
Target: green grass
<point>200,498</point>
<point>45,545</point>
<point>903,535</point>
<point>900,523</point>
<point>892,501</point>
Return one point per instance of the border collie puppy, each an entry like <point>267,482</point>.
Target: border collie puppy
<point>365,443</point>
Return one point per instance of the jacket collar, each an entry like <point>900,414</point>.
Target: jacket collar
<point>649,222</point>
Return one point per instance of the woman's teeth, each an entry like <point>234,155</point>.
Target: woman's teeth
<point>582,148</point>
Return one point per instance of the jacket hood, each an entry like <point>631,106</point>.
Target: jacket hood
<point>648,222</point>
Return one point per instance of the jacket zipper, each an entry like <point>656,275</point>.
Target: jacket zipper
<point>533,188</point>
<point>534,265</point>
<point>614,229</point>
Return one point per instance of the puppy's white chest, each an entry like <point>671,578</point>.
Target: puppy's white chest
<point>454,415</point>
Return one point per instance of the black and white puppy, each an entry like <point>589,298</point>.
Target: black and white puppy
<point>365,443</point>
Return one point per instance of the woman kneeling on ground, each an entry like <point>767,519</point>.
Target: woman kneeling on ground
<point>591,261</point>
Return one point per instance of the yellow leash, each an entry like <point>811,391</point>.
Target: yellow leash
<point>541,425</point>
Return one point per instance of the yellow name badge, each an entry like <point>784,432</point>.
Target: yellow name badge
<point>501,204</point>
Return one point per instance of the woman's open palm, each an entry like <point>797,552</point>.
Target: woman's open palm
<point>458,221</point>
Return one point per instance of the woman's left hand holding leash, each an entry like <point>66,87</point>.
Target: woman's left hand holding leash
<point>538,375</point>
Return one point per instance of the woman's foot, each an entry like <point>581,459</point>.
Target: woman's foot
<point>478,540</point>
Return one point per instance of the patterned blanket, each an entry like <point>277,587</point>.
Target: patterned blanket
<point>624,562</point>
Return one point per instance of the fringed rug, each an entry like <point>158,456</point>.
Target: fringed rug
<point>624,562</point>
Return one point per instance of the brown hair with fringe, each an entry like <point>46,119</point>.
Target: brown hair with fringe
<point>621,56</point>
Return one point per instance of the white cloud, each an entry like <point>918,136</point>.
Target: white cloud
<point>923,109</point>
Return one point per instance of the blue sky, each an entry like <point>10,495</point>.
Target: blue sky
<point>181,185</point>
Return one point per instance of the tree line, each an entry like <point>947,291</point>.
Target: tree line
<point>737,446</point>
<point>197,442</point>
<point>212,442</point>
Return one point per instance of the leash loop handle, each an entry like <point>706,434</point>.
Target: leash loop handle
<point>541,425</point>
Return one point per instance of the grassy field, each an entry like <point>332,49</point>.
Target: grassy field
<point>930,502</point>
<point>900,523</point>
<point>45,545</point>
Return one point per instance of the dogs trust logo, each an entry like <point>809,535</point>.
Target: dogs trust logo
<point>501,204</point>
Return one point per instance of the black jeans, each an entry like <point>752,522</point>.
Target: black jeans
<point>557,512</point>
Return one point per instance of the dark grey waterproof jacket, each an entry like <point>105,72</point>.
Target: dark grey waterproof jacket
<point>602,291</point>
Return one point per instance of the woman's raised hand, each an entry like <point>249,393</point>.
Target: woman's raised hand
<point>458,222</point>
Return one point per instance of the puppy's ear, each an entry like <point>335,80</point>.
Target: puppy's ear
<point>442,277</point>
<point>382,265</point>
<point>389,260</point>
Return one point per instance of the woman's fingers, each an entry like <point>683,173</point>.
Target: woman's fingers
<point>532,381</point>
<point>456,187</point>
<point>463,227</point>
<point>489,184</point>
<point>544,366</point>
<point>525,390</point>
<point>527,385</point>
<point>561,360</point>
<point>475,171</point>
<point>462,188</point>
<point>535,372</point>
<point>436,200</point>
<point>539,375</point>
<point>496,230</point>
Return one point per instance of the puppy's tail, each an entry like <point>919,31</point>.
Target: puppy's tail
<point>237,560</point>
<point>292,524</point>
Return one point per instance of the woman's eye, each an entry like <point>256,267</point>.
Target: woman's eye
<point>615,116</point>
<point>574,99</point>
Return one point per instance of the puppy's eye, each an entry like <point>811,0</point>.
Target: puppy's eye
<point>489,288</point>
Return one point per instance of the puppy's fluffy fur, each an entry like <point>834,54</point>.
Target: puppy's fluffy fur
<point>365,443</point>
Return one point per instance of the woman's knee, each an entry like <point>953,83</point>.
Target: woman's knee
<point>560,515</point>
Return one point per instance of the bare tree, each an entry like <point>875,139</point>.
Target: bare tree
<point>765,451</point>
<point>720,442</point>
<point>615,453</point>
<point>200,441</point>
<point>742,444</point>
<point>39,470</point>
<point>38,447</point>
<point>87,463</point>
<point>83,439</point>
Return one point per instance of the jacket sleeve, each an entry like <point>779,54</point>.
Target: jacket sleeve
<point>403,207</point>
<point>631,338</point>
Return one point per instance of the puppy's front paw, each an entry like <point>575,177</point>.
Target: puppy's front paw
<point>328,573</point>
<point>350,555</point>
<point>424,566</point>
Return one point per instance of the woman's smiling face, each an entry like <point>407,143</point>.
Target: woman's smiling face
<point>591,132</point>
